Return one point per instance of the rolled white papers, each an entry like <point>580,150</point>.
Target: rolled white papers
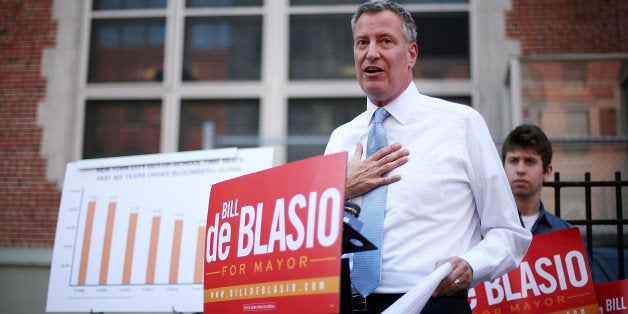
<point>414,300</point>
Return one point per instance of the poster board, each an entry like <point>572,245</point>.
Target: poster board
<point>131,230</point>
<point>554,277</point>
<point>274,239</point>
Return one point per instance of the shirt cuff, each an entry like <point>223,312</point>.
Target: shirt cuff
<point>481,271</point>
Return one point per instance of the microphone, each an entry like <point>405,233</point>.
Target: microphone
<point>350,216</point>
<point>352,240</point>
<point>352,209</point>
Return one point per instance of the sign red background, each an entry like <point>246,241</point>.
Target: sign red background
<point>290,217</point>
<point>613,297</point>
<point>554,277</point>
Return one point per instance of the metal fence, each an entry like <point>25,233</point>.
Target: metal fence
<point>616,239</point>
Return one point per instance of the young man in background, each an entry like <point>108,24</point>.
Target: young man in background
<point>527,159</point>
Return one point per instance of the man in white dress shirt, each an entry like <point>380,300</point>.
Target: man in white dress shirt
<point>448,198</point>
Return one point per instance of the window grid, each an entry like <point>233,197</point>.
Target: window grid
<point>173,85</point>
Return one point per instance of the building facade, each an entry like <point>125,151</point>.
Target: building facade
<point>102,78</point>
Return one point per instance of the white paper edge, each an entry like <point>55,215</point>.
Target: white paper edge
<point>415,299</point>
<point>121,161</point>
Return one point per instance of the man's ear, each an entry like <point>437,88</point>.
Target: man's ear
<point>547,172</point>
<point>413,52</point>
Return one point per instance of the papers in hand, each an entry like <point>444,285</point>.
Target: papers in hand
<point>414,300</point>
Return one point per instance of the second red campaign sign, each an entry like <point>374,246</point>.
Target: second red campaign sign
<point>554,277</point>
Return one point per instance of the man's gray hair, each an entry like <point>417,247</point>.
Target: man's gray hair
<point>375,6</point>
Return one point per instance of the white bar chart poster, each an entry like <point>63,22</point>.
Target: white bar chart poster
<point>131,230</point>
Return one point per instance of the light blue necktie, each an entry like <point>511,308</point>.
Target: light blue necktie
<point>365,274</point>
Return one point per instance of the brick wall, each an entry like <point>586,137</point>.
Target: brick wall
<point>28,200</point>
<point>564,26</point>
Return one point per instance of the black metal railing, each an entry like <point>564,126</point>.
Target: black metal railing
<point>619,221</point>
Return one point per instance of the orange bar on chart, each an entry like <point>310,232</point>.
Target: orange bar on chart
<point>130,245</point>
<point>200,253</point>
<point>152,250</point>
<point>176,251</point>
<point>87,237</point>
<point>106,248</point>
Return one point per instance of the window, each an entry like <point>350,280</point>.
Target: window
<point>222,48</point>
<point>126,50</point>
<point>171,75</point>
<point>579,101</point>
<point>121,128</point>
<point>357,2</point>
<point>313,120</point>
<point>127,4</point>
<point>573,98</point>
<point>218,123</point>
<point>222,3</point>
<point>443,39</point>
<point>321,47</point>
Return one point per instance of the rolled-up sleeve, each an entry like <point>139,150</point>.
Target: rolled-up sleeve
<point>504,241</point>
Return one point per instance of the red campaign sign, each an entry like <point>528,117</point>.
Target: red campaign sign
<point>554,277</point>
<point>612,297</point>
<point>274,239</point>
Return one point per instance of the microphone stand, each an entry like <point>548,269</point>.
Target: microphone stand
<point>352,241</point>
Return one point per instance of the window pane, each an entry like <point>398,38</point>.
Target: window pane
<point>443,40</point>
<point>321,47</point>
<point>121,128</point>
<point>581,105</point>
<point>126,50</point>
<point>357,2</point>
<point>574,98</point>
<point>433,1</point>
<point>311,121</point>
<point>222,3</point>
<point>219,123</point>
<point>128,4</point>
<point>297,2</point>
<point>222,48</point>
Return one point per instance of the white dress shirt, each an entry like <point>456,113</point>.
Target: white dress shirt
<point>453,198</point>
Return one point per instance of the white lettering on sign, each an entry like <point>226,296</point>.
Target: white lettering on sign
<point>547,276</point>
<point>320,225</point>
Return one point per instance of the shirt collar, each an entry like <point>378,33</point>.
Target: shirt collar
<point>542,210</point>
<point>401,107</point>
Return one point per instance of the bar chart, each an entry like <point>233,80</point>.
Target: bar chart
<point>131,230</point>
<point>118,260</point>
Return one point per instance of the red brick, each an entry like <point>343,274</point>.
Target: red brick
<point>569,26</point>
<point>28,201</point>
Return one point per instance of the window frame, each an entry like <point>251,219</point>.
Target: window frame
<point>273,90</point>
